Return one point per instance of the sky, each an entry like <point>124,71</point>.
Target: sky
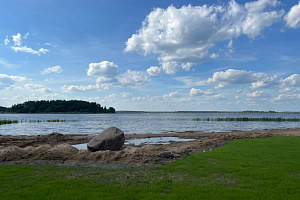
<point>184,55</point>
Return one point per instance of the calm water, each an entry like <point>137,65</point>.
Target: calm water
<point>136,123</point>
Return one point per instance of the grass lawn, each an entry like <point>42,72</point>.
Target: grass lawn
<point>245,169</point>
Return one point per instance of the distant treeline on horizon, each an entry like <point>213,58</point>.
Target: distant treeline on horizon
<point>57,106</point>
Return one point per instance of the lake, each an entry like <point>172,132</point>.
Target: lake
<point>138,123</point>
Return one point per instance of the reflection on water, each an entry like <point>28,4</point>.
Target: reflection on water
<point>156,140</point>
<point>138,123</point>
<point>137,142</point>
<point>80,146</point>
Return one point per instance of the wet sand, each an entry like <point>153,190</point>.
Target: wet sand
<point>57,148</point>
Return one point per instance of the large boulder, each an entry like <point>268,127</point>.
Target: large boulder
<point>110,139</point>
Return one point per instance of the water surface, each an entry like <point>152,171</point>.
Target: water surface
<point>138,123</point>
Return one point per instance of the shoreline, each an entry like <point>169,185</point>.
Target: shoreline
<point>57,148</point>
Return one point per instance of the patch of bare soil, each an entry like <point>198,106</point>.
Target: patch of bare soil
<point>57,148</point>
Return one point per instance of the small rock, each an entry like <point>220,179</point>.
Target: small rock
<point>110,139</point>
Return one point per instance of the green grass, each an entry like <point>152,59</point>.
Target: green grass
<point>245,169</point>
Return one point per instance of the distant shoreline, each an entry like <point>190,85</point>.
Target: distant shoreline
<point>150,112</point>
<point>247,112</point>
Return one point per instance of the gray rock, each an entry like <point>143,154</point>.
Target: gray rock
<point>110,139</point>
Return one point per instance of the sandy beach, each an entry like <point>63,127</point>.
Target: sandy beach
<point>57,148</point>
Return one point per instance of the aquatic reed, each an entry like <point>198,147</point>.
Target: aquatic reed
<point>8,121</point>
<point>245,119</point>
<point>2,122</point>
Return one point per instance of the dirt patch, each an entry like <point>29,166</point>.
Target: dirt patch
<point>58,147</point>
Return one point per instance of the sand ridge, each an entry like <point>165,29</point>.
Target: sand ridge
<point>57,148</point>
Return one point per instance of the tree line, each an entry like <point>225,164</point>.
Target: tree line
<point>58,106</point>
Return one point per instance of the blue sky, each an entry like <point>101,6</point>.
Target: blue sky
<point>152,55</point>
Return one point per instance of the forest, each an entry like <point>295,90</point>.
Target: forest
<point>57,106</point>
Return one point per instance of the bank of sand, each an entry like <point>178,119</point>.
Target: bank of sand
<point>57,148</point>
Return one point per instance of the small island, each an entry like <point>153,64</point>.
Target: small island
<point>57,106</point>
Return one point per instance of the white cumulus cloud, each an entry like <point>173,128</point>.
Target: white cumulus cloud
<point>222,79</point>
<point>172,95</point>
<point>105,71</point>
<point>292,18</point>
<point>56,69</point>
<point>255,94</point>
<point>17,39</point>
<point>184,36</point>
<point>107,76</point>
<point>266,82</point>
<point>197,92</point>
<point>154,71</point>
<point>293,80</point>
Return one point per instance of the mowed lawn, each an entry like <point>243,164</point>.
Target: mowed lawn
<point>244,169</point>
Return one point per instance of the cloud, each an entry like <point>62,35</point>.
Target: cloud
<point>110,98</point>
<point>38,88</point>
<point>154,71</point>
<point>216,97</point>
<point>26,35</point>
<point>173,67</point>
<point>184,36</point>
<point>266,82</point>
<point>214,56</point>
<point>231,76</point>
<point>185,100</point>
<point>56,69</point>
<point>125,94</point>
<point>256,94</point>
<point>283,97</point>
<point>293,80</point>
<point>107,76</point>
<point>6,41</point>
<point>292,18</point>
<point>138,98</point>
<point>76,88</point>
<point>256,19</point>
<point>133,78</point>
<point>172,95</point>
<point>29,50</point>
<point>222,79</point>
<point>197,92</point>
<point>238,90</point>
<point>17,39</point>
<point>285,89</point>
<point>105,71</point>
<point>7,80</point>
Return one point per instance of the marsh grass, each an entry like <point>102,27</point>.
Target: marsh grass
<point>2,122</point>
<point>244,169</point>
<point>246,119</point>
